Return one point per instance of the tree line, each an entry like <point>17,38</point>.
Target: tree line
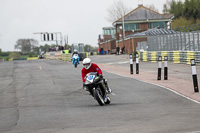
<point>30,48</point>
<point>186,13</point>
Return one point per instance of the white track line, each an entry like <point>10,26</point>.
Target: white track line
<point>124,62</point>
<point>194,132</point>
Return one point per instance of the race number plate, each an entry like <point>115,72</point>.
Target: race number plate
<point>90,78</point>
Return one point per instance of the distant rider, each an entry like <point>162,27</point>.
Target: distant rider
<point>75,52</point>
<point>92,67</point>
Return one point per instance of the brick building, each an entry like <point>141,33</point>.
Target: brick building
<point>130,29</point>
<point>107,41</point>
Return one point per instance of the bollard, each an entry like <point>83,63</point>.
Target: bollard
<point>131,63</point>
<point>137,64</point>
<point>159,67</point>
<point>165,68</point>
<point>194,75</point>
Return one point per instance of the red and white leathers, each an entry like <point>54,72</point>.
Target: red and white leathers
<point>93,68</point>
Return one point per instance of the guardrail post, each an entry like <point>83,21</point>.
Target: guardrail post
<point>86,55</point>
<point>131,63</point>
<point>159,67</point>
<point>165,68</point>
<point>137,64</point>
<point>194,75</point>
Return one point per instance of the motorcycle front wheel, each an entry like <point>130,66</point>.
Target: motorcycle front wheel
<point>99,96</point>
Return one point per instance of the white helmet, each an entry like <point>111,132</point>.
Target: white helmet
<point>87,63</point>
<point>75,50</point>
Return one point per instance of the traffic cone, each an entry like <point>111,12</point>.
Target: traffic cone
<point>127,57</point>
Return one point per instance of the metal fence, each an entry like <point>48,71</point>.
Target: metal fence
<point>182,41</point>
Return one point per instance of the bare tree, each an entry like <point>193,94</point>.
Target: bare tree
<point>166,7</point>
<point>26,45</point>
<point>116,11</point>
<point>152,7</point>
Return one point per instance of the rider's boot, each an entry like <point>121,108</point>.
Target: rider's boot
<point>108,90</point>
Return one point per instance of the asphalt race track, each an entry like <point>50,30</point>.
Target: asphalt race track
<point>46,96</point>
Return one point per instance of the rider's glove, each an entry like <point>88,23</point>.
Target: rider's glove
<point>101,76</point>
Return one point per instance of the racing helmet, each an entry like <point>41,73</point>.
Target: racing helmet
<point>75,50</point>
<point>87,63</point>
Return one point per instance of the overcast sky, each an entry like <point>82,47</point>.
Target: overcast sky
<point>81,20</point>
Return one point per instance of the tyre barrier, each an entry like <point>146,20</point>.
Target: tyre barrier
<point>173,56</point>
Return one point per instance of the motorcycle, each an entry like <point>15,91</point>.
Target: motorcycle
<point>75,60</point>
<point>96,86</point>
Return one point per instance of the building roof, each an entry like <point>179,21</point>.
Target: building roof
<point>108,28</point>
<point>144,14</point>
<point>153,32</point>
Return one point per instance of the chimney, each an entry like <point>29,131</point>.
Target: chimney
<point>140,3</point>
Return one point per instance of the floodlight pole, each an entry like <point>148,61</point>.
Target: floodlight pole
<point>123,29</point>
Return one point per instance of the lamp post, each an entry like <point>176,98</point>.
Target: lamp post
<point>66,41</point>
<point>122,35</point>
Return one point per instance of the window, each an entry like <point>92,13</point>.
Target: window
<point>150,25</point>
<point>113,33</point>
<point>162,24</point>
<point>157,24</point>
<point>137,26</point>
<point>110,31</point>
<point>129,27</point>
<point>107,32</point>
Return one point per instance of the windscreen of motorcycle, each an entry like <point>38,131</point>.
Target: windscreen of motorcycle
<point>75,56</point>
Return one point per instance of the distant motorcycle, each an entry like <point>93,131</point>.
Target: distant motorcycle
<point>75,60</point>
<point>95,85</point>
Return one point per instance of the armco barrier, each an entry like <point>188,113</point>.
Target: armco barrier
<point>144,55</point>
<point>54,55</point>
<point>190,55</point>
<point>153,57</point>
<point>197,56</point>
<point>32,58</point>
<point>163,54</point>
<point>66,57</point>
<point>174,56</point>
<point>18,59</point>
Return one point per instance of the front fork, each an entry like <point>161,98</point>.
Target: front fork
<point>75,60</point>
<point>103,89</point>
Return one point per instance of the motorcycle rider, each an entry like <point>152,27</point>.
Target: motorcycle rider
<point>88,67</point>
<point>75,52</point>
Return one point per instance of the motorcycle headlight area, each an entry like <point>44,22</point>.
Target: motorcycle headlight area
<point>90,78</point>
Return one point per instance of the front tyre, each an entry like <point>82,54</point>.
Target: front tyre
<point>99,96</point>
